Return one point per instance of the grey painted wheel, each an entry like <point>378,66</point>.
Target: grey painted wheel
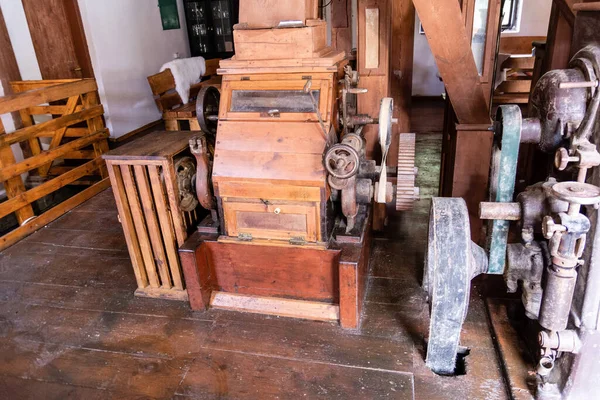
<point>447,280</point>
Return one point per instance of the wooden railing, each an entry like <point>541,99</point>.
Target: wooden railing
<point>76,134</point>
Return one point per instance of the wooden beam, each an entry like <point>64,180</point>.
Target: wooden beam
<point>313,310</point>
<point>566,10</point>
<point>403,22</point>
<point>450,44</point>
<point>591,6</point>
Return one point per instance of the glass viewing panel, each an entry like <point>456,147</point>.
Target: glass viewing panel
<point>283,101</point>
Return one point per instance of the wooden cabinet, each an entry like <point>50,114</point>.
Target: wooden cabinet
<point>149,192</point>
<point>210,27</point>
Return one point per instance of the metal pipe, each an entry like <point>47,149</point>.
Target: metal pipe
<point>531,130</point>
<point>558,296</point>
<point>577,85</point>
<point>501,211</point>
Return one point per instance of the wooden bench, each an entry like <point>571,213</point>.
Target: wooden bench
<point>170,103</point>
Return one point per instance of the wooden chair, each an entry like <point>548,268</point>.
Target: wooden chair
<point>170,103</point>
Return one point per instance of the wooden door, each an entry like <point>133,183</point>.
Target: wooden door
<point>58,38</point>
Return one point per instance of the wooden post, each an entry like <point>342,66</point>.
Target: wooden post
<point>450,44</point>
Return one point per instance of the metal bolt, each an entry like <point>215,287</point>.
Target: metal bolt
<point>277,210</point>
<point>575,85</point>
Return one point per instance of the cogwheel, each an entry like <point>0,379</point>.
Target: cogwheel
<point>406,192</point>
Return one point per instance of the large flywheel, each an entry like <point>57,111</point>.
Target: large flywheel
<point>207,109</point>
<point>451,262</point>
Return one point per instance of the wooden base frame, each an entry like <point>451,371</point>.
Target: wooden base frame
<point>309,282</point>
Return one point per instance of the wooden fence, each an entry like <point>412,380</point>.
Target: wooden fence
<point>75,131</point>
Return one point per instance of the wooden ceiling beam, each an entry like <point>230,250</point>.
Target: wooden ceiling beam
<point>450,44</point>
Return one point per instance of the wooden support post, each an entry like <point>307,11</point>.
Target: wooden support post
<point>466,162</point>
<point>353,276</point>
<point>196,268</point>
<point>447,36</point>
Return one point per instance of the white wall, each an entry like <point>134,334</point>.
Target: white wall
<point>535,16</point>
<point>425,72</point>
<point>20,38</point>
<point>127,44</point>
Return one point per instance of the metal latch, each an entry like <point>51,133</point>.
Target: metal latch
<point>297,241</point>
<point>245,237</point>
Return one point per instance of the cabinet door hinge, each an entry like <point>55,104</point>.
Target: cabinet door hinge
<point>245,237</point>
<point>297,241</point>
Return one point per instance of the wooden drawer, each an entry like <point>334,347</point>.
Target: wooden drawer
<point>276,220</point>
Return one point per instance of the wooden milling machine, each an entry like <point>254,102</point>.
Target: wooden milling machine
<point>283,171</point>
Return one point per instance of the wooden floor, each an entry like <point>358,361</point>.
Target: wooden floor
<point>70,326</point>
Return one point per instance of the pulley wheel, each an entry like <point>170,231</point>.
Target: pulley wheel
<point>447,279</point>
<point>207,109</point>
<point>342,161</point>
<point>185,170</point>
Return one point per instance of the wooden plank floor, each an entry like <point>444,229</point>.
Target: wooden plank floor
<point>70,326</point>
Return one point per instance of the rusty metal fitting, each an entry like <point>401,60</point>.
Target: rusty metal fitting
<point>337,183</point>
<point>502,211</point>
<point>361,120</point>
<point>564,262</point>
<point>549,227</point>
<point>353,140</point>
<point>364,191</point>
<point>563,341</point>
<point>557,297</point>
<point>531,130</point>
<point>587,155</point>
<point>545,365</point>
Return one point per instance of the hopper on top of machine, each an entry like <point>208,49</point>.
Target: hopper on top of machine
<point>259,14</point>
<point>269,30</point>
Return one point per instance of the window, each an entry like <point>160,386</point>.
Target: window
<point>511,15</point>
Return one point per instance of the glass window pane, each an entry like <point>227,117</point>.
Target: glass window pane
<point>284,101</point>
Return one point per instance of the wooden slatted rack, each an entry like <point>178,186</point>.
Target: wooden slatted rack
<point>65,104</point>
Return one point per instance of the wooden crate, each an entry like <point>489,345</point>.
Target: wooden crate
<point>67,103</point>
<point>286,43</point>
<point>269,13</point>
<point>144,183</point>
